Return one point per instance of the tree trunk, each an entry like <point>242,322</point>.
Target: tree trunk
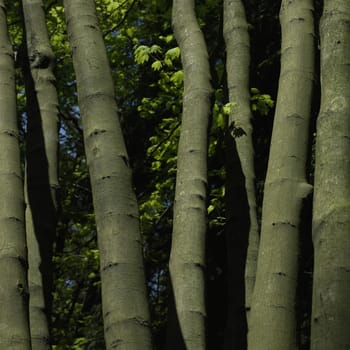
<point>272,319</point>
<point>41,168</point>
<point>14,323</point>
<point>187,258</point>
<point>331,209</point>
<point>237,66</point>
<point>124,302</point>
<point>236,232</point>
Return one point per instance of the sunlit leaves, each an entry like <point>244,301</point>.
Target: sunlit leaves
<point>169,38</point>
<point>177,78</point>
<point>261,103</point>
<point>227,108</point>
<point>157,65</point>
<point>171,55</point>
<point>112,5</point>
<point>142,54</point>
<point>155,49</point>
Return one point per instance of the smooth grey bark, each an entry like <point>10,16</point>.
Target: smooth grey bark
<point>14,322</point>
<point>331,208</point>
<point>187,258</point>
<point>41,168</point>
<point>237,66</point>
<point>124,301</point>
<point>272,323</point>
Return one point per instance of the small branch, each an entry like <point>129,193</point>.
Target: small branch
<point>122,20</point>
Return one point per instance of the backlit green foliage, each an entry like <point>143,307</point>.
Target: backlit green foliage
<point>261,102</point>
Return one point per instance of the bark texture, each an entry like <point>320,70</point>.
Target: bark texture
<point>124,302</point>
<point>41,168</point>
<point>237,66</point>
<point>331,209</point>
<point>14,324</point>
<point>187,258</point>
<point>272,319</point>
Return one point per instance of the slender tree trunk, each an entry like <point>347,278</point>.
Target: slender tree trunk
<point>14,323</point>
<point>187,258</point>
<point>237,66</point>
<point>124,302</point>
<point>41,168</point>
<point>331,209</point>
<point>236,232</point>
<point>272,320</point>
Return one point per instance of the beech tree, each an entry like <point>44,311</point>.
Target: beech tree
<point>331,208</point>
<point>41,168</point>
<point>14,325</point>
<point>187,257</point>
<point>183,214</point>
<point>272,321</point>
<point>238,60</point>
<point>242,231</point>
<point>125,309</point>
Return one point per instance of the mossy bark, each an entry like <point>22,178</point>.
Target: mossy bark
<point>14,322</point>
<point>124,301</point>
<point>331,208</point>
<point>187,258</point>
<point>272,323</point>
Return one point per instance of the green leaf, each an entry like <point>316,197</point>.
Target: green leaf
<point>142,54</point>
<point>227,108</point>
<point>91,275</point>
<point>177,78</point>
<point>210,208</point>
<point>262,103</point>
<point>157,65</point>
<point>168,62</point>
<point>169,38</point>
<point>155,49</point>
<point>221,120</point>
<point>173,53</point>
